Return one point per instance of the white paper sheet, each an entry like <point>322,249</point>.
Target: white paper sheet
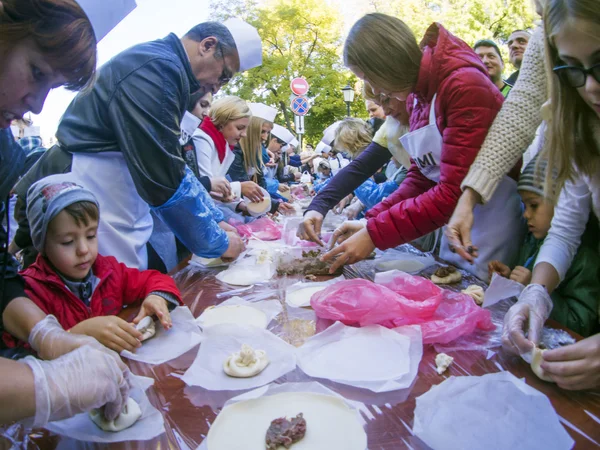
<point>501,288</point>
<point>494,411</point>
<point>271,308</point>
<point>247,272</point>
<point>346,355</point>
<point>274,389</point>
<point>302,285</point>
<point>220,341</point>
<point>169,344</point>
<point>150,425</point>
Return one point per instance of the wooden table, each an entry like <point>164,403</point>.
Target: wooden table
<point>189,411</point>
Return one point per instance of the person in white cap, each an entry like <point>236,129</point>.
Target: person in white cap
<point>277,175</point>
<point>79,373</point>
<point>121,141</point>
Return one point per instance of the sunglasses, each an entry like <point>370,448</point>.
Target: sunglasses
<point>226,74</point>
<point>576,76</point>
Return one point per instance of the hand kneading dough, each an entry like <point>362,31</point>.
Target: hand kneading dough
<point>236,314</point>
<point>475,292</point>
<point>247,363</point>
<point>146,327</point>
<point>130,415</point>
<point>536,361</point>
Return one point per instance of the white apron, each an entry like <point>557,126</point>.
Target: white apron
<point>498,227</point>
<point>125,221</point>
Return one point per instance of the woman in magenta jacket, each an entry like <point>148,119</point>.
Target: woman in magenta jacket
<point>452,103</point>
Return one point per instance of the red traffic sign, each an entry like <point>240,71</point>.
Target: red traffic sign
<point>300,105</point>
<point>299,86</point>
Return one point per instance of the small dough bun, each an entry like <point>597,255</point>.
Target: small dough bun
<point>131,414</point>
<point>536,361</point>
<point>454,277</point>
<point>146,327</point>
<point>443,361</point>
<point>246,363</point>
<point>236,314</point>
<point>475,292</point>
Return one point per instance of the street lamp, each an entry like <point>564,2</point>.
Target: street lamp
<point>348,96</point>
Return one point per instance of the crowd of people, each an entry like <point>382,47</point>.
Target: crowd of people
<point>495,176</point>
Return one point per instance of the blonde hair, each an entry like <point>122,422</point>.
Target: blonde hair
<point>570,133</point>
<point>252,145</point>
<point>353,135</point>
<point>368,93</point>
<point>228,109</point>
<point>385,50</point>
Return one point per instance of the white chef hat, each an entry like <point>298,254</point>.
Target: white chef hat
<point>322,148</point>
<point>247,41</point>
<point>282,133</point>
<point>329,133</point>
<point>263,111</point>
<point>106,14</point>
<point>295,143</point>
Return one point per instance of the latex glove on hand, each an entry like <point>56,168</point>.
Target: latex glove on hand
<point>352,211</point>
<point>310,228</point>
<point>84,379</point>
<point>528,315</point>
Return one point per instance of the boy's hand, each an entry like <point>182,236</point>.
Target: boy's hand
<point>521,275</point>
<point>575,367</point>
<point>155,305</point>
<point>111,331</point>
<point>499,268</point>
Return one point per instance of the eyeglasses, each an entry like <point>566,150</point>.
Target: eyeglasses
<point>576,76</point>
<point>226,74</point>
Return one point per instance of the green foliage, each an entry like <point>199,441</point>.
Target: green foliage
<point>300,38</point>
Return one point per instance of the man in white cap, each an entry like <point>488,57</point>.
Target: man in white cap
<point>121,141</point>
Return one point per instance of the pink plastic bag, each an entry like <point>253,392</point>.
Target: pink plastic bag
<point>406,300</point>
<point>264,229</point>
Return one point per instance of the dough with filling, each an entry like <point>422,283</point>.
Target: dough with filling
<point>536,361</point>
<point>475,292</point>
<point>446,275</point>
<point>131,414</point>
<point>236,314</point>
<point>246,363</point>
<point>405,265</point>
<point>443,361</point>
<point>301,297</point>
<point>147,327</point>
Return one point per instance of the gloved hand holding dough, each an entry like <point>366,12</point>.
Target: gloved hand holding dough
<point>129,415</point>
<point>247,363</point>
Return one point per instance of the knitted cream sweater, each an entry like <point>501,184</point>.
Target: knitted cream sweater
<point>515,125</point>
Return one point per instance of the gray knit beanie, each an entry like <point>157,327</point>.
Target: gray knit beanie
<point>46,199</point>
<point>533,177</point>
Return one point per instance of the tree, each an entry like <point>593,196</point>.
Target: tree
<point>300,38</point>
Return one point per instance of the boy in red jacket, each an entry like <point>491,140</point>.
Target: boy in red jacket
<point>71,281</point>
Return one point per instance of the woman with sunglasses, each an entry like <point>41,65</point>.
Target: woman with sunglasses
<point>572,40</point>
<point>45,44</point>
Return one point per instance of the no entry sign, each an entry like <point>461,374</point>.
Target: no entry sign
<point>299,86</point>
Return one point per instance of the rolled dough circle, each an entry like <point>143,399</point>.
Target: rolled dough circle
<point>536,361</point>
<point>236,314</point>
<point>330,423</point>
<point>131,414</point>
<point>259,208</point>
<point>301,297</point>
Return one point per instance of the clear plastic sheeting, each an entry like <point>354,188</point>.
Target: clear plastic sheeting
<point>495,411</point>
<point>347,355</point>
<point>150,425</point>
<point>169,344</point>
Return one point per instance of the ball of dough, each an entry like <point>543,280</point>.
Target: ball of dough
<point>147,327</point>
<point>475,292</point>
<point>131,414</point>
<point>247,363</point>
<point>536,361</point>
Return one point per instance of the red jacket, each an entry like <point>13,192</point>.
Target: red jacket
<point>118,286</point>
<point>466,104</point>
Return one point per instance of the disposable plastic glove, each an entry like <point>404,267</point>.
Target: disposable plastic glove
<point>84,379</point>
<point>527,315</point>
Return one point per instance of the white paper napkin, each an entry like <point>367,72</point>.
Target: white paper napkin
<point>169,344</point>
<point>271,308</point>
<point>501,288</point>
<point>246,273</point>
<point>150,425</point>
<point>494,411</point>
<point>220,341</point>
<point>301,285</point>
<point>374,357</point>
